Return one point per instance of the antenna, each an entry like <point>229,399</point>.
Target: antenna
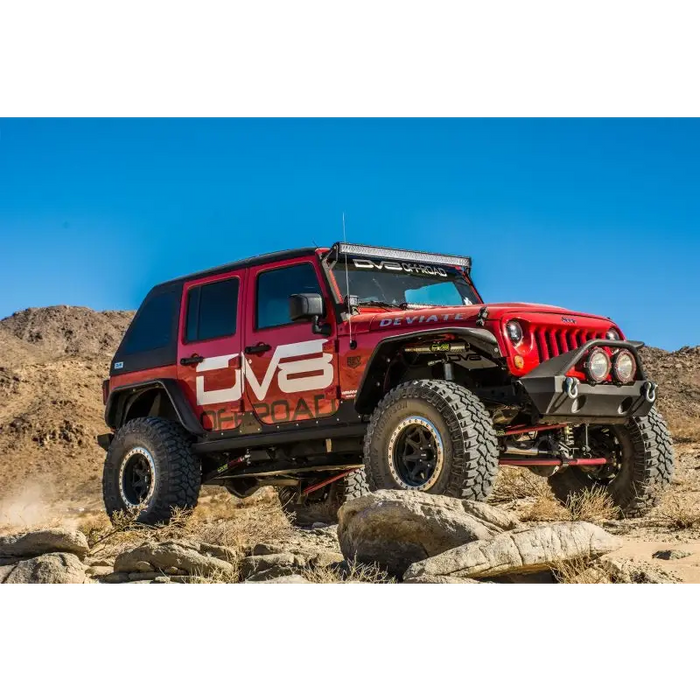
<point>353,344</point>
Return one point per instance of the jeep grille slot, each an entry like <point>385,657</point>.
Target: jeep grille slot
<point>551,342</point>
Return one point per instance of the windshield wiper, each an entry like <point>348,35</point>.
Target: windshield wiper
<point>383,304</point>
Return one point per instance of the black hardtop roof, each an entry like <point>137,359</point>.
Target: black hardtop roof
<point>239,264</point>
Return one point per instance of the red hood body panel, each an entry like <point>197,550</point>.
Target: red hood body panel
<point>548,330</point>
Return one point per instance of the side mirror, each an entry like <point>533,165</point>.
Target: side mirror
<point>309,307</point>
<point>303,307</point>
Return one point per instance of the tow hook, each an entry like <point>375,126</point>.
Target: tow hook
<point>571,387</point>
<point>649,391</point>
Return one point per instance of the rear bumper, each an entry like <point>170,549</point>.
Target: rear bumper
<point>601,401</point>
<point>558,397</point>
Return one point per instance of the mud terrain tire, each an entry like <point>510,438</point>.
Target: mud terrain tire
<point>150,465</point>
<point>646,469</point>
<point>423,422</point>
<point>322,506</point>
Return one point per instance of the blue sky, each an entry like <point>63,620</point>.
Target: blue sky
<point>595,215</point>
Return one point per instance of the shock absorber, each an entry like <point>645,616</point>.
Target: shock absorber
<point>568,436</point>
<point>566,444</point>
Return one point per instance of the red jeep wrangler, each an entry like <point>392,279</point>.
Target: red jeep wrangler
<point>293,369</point>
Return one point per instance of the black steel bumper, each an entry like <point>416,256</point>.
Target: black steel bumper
<point>557,397</point>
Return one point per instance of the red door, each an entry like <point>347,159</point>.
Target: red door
<point>209,349</point>
<point>291,373</point>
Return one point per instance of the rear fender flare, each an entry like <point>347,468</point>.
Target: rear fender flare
<point>122,397</point>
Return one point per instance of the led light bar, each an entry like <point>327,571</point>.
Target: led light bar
<point>405,255</point>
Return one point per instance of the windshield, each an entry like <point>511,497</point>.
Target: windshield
<point>403,284</point>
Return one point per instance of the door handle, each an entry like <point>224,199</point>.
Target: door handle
<point>257,349</point>
<point>194,360</point>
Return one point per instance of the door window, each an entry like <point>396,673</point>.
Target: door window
<point>211,310</point>
<point>274,289</point>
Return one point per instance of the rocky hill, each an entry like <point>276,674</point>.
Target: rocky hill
<point>52,363</point>
<point>678,376</point>
<point>57,331</point>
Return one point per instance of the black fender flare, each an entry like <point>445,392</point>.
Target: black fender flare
<point>479,338</point>
<point>122,396</point>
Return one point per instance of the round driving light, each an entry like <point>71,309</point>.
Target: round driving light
<point>612,334</point>
<point>625,367</point>
<point>598,365</point>
<point>515,332</point>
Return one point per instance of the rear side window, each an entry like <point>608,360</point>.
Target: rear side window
<point>152,328</point>
<point>212,310</point>
<point>276,286</point>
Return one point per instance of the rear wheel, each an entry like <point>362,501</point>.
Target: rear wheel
<point>150,470</point>
<point>640,465</point>
<point>321,506</point>
<point>433,436</point>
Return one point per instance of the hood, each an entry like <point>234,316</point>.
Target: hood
<point>460,314</point>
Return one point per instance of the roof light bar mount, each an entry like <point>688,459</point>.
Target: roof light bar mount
<point>342,249</point>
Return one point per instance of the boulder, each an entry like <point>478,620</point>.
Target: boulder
<point>523,552</point>
<point>266,566</point>
<point>33,544</point>
<point>193,557</point>
<point>397,528</point>
<point>56,567</point>
<point>291,578</point>
<point>5,571</point>
<point>669,554</point>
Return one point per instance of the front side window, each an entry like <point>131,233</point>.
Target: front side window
<point>212,310</point>
<point>276,286</point>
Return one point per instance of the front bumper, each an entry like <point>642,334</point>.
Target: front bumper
<point>601,401</point>
<point>557,397</point>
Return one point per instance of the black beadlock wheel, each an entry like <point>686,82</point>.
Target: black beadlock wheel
<point>433,436</point>
<point>150,468</point>
<point>322,506</point>
<point>641,453</point>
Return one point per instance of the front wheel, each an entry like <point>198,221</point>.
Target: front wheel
<point>433,436</point>
<point>150,470</point>
<point>640,465</point>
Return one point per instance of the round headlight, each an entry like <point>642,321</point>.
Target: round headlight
<point>612,334</point>
<point>515,332</point>
<point>624,367</point>
<point>598,365</point>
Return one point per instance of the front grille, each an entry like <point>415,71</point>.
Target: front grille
<point>551,342</point>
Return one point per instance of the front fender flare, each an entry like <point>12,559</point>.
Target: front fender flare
<point>479,338</point>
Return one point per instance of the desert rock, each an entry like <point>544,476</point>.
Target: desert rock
<point>396,528</point>
<point>32,544</point>
<point>526,551</point>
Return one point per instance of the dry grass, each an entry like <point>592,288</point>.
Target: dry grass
<point>218,519</point>
<point>546,509</point>
<point>579,571</point>
<point>591,505</point>
<point>678,512</point>
<point>353,573</point>
<point>517,483</point>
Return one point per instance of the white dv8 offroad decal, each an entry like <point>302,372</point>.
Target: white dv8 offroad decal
<point>317,371</point>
